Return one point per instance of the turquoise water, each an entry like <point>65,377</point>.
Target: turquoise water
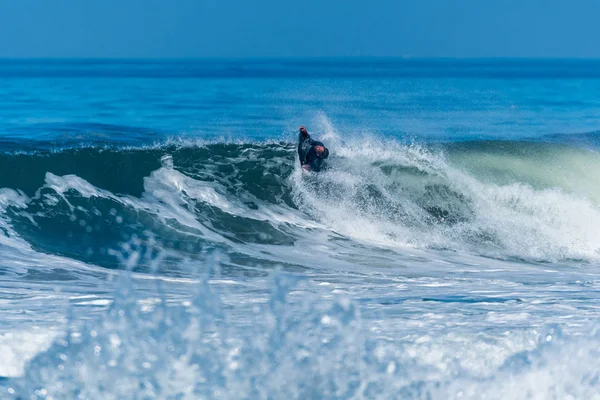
<point>158,238</point>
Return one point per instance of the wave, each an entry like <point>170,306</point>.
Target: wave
<point>527,200</point>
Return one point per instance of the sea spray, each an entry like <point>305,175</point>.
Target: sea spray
<point>296,344</point>
<point>294,349</point>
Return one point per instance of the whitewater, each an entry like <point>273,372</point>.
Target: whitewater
<point>159,240</point>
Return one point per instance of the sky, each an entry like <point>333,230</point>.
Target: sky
<point>299,28</point>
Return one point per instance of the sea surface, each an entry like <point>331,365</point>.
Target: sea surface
<point>159,240</point>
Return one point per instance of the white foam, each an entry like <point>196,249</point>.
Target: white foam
<point>514,220</point>
<point>18,347</point>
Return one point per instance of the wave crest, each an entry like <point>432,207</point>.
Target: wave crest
<point>245,196</point>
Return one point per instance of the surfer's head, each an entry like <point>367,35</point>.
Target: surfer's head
<point>303,131</point>
<point>322,152</point>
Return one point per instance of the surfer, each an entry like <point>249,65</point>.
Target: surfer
<point>311,152</point>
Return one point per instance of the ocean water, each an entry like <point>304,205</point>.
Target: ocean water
<point>159,240</point>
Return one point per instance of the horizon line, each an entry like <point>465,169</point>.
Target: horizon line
<point>307,58</point>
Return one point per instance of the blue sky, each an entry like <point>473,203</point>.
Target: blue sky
<point>299,28</point>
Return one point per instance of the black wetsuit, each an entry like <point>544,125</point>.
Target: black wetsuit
<point>308,154</point>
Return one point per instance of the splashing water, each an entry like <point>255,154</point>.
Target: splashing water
<point>293,341</point>
<point>391,193</point>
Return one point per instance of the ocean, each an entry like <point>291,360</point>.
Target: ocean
<point>159,239</point>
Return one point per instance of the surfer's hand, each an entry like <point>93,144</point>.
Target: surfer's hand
<point>306,167</point>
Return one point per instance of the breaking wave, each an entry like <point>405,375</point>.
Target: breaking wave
<point>524,200</point>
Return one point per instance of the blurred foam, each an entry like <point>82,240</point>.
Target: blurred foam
<point>294,343</point>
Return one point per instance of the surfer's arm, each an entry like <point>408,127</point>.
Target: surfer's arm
<point>304,144</point>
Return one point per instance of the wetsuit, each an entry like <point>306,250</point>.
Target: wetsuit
<point>314,162</point>
<point>307,153</point>
<point>304,144</point>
